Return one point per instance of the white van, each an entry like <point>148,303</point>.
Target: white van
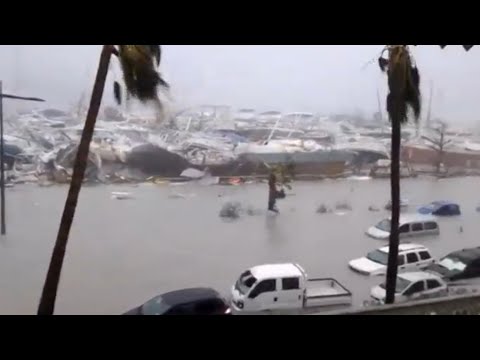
<point>411,257</point>
<point>414,225</point>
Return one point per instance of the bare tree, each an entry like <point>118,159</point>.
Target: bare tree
<point>438,143</point>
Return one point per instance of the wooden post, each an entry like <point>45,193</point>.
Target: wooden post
<point>3,227</point>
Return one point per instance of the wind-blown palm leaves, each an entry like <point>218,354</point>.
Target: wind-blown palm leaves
<point>466,47</point>
<point>139,64</point>
<point>403,83</point>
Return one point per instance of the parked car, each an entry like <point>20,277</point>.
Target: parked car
<point>459,265</point>
<point>411,225</point>
<point>440,208</point>
<point>197,301</point>
<point>410,257</point>
<point>285,289</point>
<point>413,286</point>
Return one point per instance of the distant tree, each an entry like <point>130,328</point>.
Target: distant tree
<point>438,143</point>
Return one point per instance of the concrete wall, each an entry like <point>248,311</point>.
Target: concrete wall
<point>416,155</point>
<point>459,305</point>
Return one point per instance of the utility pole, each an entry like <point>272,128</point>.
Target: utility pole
<point>430,103</point>
<point>380,111</point>
<point>3,227</point>
<point>2,166</point>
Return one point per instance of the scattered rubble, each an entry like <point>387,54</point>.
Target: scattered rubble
<point>205,144</point>
<point>343,206</point>
<point>122,196</point>
<point>323,209</point>
<point>231,210</point>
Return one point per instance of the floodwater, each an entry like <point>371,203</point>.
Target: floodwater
<point>123,252</point>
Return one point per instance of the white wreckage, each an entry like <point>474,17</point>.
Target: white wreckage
<point>42,145</point>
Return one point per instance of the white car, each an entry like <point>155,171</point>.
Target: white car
<point>412,286</point>
<point>414,225</point>
<point>411,257</point>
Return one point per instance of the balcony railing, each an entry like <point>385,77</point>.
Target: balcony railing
<point>458,305</point>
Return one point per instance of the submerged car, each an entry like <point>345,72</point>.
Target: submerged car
<point>412,286</point>
<point>415,225</point>
<point>197,301</point>
<point>440,208</point>
<point>403,205</point>
<point>410,257</point>
<point>459,265</point>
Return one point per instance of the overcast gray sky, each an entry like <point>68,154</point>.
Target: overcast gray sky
<point>316,78</point>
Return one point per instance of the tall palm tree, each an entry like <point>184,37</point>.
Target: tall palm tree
<point>404,86</point>
<point>141,81</point>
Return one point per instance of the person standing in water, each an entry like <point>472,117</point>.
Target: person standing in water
<point>272,193</point>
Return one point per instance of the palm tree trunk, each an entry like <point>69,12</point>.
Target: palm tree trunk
<point>49,294</point>
<point>394,231</point>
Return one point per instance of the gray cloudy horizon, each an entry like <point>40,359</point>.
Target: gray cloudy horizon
<point>318,78</point>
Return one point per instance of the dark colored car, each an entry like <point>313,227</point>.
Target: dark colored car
<point>441,208</point>
<point>198,301</point>
<point>459,265</point>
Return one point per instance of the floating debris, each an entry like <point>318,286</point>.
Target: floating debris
<point>359,178</point>
<point>323,209</point>
<point>343,206</point>
<point>372,208</point>
<point>192,174</point>
<point>122,196</point>
<point>251,211</point>
<point>180,196</point>
<point>231,210</point>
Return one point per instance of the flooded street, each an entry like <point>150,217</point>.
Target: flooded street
<point>123,252</point>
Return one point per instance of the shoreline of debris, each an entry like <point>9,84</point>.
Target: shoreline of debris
<point>212,147</point>
<point>62,177</point>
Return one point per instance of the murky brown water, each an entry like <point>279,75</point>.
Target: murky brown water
<point>121,253</point>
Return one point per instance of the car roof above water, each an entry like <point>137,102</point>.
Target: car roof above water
<point>189,295</point>
<point>409,218</point>
<point>466,255</point>
<point>404,247</point>
<point>418,276</point>
<point>273,271</point>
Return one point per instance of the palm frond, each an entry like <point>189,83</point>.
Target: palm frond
<point>403,82</point>
<point>383,63</point>
<point>156,51</point>
<point>139,64</point>
<point>117,92</point>
<point>466,47</point>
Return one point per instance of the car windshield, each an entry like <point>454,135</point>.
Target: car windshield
<point>378,257</point>
<point>384,225</point>
<point>156,306</point>
<point>452,264</point>
<point>245,283</point>
<point>402,284</point>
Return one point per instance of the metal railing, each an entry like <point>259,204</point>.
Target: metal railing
<point>457,305</point>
